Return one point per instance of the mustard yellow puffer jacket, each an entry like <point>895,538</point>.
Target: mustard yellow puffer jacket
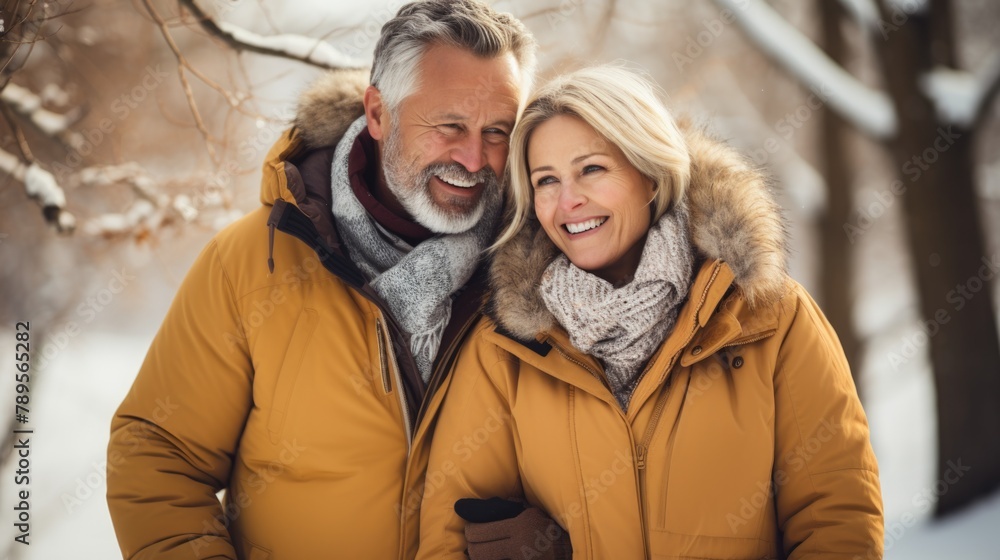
<point>281,387</point>
<point>744,438</point>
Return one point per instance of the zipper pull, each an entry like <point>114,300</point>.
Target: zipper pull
<point>640,452</point>
<point>272,222</point>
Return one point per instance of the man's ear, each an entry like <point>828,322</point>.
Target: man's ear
<point>375,113</point>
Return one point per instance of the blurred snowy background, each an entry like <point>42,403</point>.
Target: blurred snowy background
<point>134,130</point>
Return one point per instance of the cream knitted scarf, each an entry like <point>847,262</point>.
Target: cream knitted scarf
<point>624,326</point>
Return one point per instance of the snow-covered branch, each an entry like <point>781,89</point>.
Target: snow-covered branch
<point>871,111</point>
<point>865,12</point>
<point>296,47</point>
<point>42,187</point>
<point>153,208</point>
<point>961,98</point>
<point>25,103</point>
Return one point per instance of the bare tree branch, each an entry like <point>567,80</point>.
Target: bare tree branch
<point>869,110</point>
<point>295,47</point>
<point>22,142</point>
<point>189,94</point>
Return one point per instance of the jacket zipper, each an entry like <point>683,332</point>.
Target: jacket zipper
<point>444,364</point>
<point>394,366</point>
<point>601,378</point>
<point>748,340</point>
<point>642,451</point>
<point>638,451</point>
<point>436,376</point>
<point>383,360</point>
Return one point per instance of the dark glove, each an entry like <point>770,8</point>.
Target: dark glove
<point>504,530</point>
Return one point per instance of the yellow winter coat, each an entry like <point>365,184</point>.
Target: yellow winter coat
<point>744,438</point>
<point>281,388</point>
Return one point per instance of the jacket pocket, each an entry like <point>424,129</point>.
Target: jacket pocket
<point>254,552</point>
<point>289,373</point>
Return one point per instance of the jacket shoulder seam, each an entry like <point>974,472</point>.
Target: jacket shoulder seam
<point>229,286</point>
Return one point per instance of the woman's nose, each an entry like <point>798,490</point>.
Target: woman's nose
<point>571,195</point>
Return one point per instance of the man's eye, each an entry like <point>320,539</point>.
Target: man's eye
<point>450,127</point>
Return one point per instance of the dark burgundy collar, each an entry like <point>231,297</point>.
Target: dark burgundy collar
<point>362,169</point>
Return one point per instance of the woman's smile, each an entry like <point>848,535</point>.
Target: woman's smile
<point>590,200</point>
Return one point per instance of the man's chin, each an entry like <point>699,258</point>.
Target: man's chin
<point>448,220</point>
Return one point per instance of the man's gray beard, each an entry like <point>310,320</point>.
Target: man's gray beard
<point>411,187</point>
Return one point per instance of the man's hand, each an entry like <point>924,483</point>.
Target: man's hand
<point>504,530</point>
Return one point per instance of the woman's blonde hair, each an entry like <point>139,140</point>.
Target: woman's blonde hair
<point>623,107</point>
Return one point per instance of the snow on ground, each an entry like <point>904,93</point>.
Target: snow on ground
<point>85,383</point>
<point>73,401</point>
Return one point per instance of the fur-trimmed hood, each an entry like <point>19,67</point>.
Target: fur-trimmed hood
<point>734,218</point>
<point>329,105</point>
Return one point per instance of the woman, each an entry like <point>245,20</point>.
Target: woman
<point>648,374</point>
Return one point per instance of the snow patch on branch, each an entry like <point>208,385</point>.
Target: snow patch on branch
<point>28,104</point>
<point>867,109</point>
<point>955,94</point>
<point>153,208</point>
<point>909,7</point>
<point>315,51</point>
<point>40,184</point>
<point>960,96</point>
<point>864,12</point>
<point>141,213</point>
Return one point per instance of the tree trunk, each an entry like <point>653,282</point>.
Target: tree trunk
<point>837,264</point>
<point>953,271</point>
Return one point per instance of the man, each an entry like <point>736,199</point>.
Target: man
<point>302,361</point>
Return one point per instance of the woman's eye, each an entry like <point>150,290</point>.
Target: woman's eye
<point>591,168</point>
<point>547,180</point>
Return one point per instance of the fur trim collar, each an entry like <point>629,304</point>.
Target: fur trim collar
<point>329,105</point>
<point>734,217</point>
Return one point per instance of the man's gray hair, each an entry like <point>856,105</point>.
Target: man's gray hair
<point>466,24</point>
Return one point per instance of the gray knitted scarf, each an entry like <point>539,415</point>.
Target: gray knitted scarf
<point>416,282</point>
<point>624,326</point>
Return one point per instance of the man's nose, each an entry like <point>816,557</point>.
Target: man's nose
<point>470,153</point>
